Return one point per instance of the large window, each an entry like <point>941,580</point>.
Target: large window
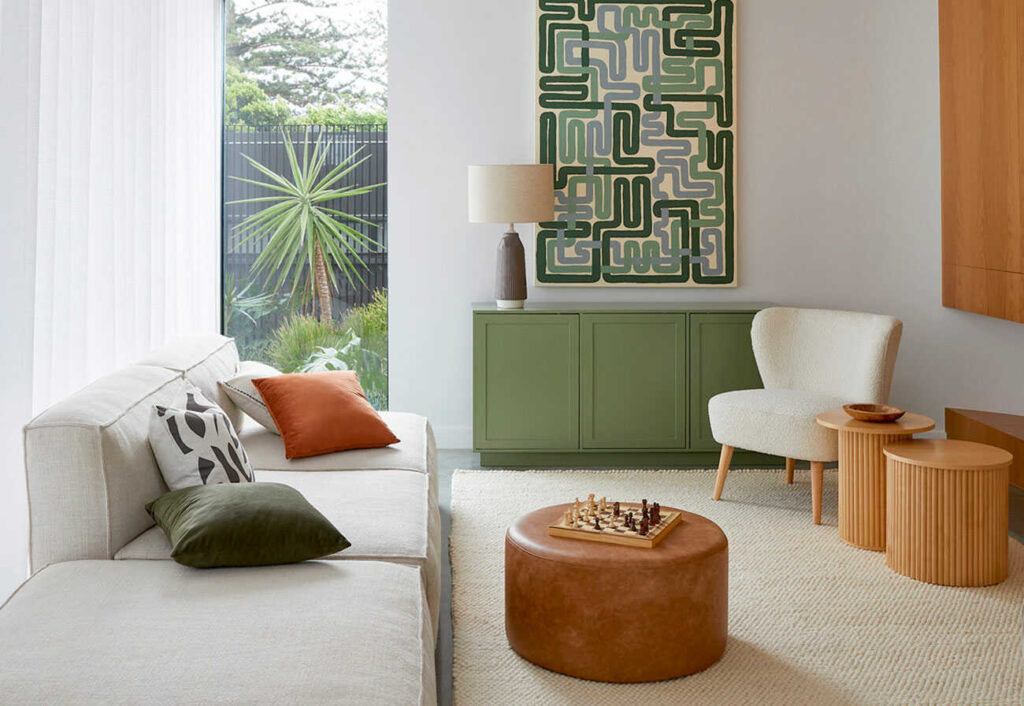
<point>305,196</point>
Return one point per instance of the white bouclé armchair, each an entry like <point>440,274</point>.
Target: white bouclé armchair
<point>811,361</point>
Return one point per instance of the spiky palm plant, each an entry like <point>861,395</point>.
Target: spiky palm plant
<point>306,238</point>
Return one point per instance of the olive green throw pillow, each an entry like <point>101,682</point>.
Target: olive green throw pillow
<point>243,524</point>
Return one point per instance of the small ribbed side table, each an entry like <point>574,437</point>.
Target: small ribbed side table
<point>947,511</point>
<point>862,472</point>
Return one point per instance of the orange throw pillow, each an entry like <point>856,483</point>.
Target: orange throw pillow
<point>319,413</point>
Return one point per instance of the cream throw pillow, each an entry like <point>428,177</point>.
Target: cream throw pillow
<point>243,393</point>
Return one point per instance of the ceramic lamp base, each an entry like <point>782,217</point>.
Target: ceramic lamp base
<point>510,277</point>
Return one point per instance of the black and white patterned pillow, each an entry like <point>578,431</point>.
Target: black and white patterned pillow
<point>195,444</point>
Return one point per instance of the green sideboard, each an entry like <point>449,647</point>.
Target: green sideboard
<point>607,384</point>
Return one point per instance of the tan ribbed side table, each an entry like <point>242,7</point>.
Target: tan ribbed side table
<point>862,472</point>
<point>947,511</point>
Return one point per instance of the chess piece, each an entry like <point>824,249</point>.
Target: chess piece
<point>597,522</point>
<point>644,527</point>
<point>644,503</point>
<point>615,509</point>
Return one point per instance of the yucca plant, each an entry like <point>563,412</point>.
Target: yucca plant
<point>307,239</point>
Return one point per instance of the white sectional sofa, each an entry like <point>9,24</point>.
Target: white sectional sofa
<point>108,618</point>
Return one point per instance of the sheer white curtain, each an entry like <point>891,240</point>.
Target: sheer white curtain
<point>128,211</point>
<point>17,275</point>
<point>109,202</point>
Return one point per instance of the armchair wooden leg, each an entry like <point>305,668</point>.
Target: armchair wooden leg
<point>790,465</point>
<point>723,470</point>
<point>817,471</point>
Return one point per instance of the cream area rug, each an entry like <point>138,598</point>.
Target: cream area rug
<point>811,619</point>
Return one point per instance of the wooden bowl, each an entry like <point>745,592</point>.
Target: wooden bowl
<point>874,412</point>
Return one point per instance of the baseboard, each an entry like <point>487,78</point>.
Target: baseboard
<point>623,459</point>
<point>453,437</point>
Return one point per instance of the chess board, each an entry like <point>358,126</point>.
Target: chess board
<point>613,529</point>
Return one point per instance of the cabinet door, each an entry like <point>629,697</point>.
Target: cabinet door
<point>633,381</point>
<point>721,360</point>
<point>526,381</point>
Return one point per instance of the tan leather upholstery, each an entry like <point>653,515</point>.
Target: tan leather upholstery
<point>612,613</point>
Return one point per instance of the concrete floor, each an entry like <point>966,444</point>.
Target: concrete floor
<point>447,462</point>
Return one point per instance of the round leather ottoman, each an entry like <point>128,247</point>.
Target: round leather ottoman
<point>612,613</point>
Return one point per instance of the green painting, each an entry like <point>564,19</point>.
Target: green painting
<point>636,111</point>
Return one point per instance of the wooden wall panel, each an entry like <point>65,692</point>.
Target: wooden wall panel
<point>982,291</point>
<point>981,56</point>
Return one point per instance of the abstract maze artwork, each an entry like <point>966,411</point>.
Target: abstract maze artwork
<point>636,111</point>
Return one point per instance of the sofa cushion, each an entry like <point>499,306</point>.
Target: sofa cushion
<point>90,468</point>
<point>387,515</point>
<point>779,422</point>
<point>383,514</point>
<point>412,453</point>
<point>203,359</point>
<point>102,632</point>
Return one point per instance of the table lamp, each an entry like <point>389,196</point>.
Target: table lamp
<point>511,193</point>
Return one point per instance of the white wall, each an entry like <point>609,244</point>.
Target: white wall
<point>838,189</point>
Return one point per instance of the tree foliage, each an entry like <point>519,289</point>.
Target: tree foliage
<point>245,103</point>
<point>338,115</point>
<point>295,51</point>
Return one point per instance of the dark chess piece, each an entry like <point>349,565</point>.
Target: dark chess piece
<point>615,510</point>
<point>656,513</point>
<point>644,503</point>
<point>597,522</point>
<point>644,527</point>
<point>646,513</point>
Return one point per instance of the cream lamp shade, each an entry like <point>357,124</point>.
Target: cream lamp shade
<point>511,193</point>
